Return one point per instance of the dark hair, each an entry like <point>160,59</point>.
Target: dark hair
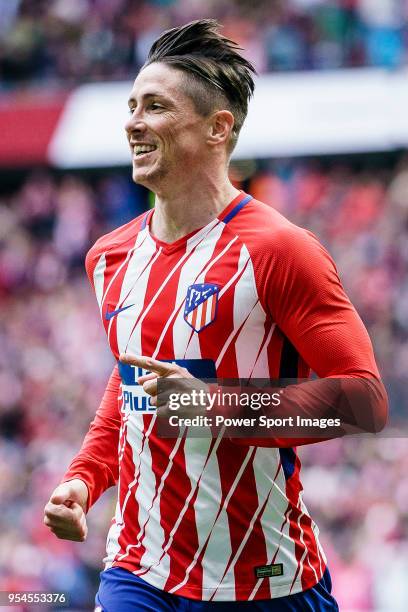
<point>216,74</point>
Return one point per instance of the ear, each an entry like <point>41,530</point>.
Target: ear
<point>220,127</point>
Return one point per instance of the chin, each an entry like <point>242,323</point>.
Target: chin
<point>148,179</point>
<point>139,176</point>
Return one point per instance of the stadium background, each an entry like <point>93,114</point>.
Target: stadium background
<point>54,361</point>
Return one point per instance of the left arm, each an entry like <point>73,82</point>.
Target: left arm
<point>302,291</point>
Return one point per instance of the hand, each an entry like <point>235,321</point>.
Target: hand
<point>158,369</point>
<point>64,514</point>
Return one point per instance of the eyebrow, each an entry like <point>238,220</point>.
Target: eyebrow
<point>148,95</point>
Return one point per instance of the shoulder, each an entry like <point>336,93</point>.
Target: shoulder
<point>126,233</point>
<point>267,234</point>
<point>291,267</point>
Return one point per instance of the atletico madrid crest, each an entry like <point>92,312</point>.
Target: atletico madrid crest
<point>201,305</point>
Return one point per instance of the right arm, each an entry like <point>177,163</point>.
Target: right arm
<point>94,469</point>
<point>97,461</point>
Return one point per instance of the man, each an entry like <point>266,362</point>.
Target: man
<point>209,283</point>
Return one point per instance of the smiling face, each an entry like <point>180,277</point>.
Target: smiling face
<point>167,136</point>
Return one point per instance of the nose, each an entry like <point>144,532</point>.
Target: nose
<point>134,124</point>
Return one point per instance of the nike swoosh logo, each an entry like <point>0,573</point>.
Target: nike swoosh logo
<point>113,313</point>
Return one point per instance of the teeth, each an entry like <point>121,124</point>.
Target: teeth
<point>138,149</point>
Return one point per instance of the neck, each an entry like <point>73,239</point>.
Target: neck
<point>179,211</point>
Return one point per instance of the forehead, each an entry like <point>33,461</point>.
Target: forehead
<point>160,79</point>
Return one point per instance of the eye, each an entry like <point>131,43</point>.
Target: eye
<point>155,106</point>
<point>152,106</point>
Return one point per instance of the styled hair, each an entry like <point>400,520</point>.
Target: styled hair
<point>216,75</point>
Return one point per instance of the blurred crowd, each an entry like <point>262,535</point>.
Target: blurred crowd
<point>54,364</point>
<point>55,40</point>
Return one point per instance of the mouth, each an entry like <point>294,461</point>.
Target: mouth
<point>141,151</point>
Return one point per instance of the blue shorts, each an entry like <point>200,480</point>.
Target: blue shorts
<point>122,591</point>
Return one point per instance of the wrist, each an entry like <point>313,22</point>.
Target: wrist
<point>80,490</point>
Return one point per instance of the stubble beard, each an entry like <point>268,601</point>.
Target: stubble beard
<point>154,178</point>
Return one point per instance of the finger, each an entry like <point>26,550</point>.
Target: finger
<point>56,522</point>
<point>78,526</point>
<point>61,494</point>
<point>75,528</point>
<point>148,363</point>
<point>75,536</point>
<point>72,524</point>
<point>146,377</point>
<point>150,387</point>
<point>61,514</point>
<point>58,525</point>
<point>47,521</point>
<point>53,509</point>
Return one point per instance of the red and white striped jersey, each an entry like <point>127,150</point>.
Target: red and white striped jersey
<point>255,297</point>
